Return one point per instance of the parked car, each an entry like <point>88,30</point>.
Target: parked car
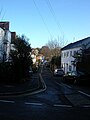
<point>58,72</point>
<point>76,77</point>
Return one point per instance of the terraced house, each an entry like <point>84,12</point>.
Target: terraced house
<point>69,51</point>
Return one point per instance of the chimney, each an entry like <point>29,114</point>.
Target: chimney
<point>4,25</point>
<point>13,36</point>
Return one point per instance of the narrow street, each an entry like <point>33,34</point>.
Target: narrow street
<point>58,101</point>
<point>61,94</point>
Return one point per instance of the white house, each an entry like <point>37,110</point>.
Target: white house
<point>2,32</point>
<point>69,51</point>
<point>33,56</point>
<point>5,43</point>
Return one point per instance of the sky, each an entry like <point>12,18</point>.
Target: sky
<point>44,20</point>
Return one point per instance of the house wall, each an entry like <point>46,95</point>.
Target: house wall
<point>2,32</point>
<point>5,44</point>
<point>67,59</point>
<point>8,44</point>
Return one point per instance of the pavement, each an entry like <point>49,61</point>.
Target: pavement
<point>32,86</point>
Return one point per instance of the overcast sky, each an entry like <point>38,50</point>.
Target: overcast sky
<point>43,20</point>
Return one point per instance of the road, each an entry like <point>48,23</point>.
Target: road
<point>58,101</point>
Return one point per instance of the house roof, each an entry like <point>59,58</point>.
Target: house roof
<point>79,43</point>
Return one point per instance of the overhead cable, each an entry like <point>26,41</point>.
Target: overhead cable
<point>42,18</point>
<point>54,16</point>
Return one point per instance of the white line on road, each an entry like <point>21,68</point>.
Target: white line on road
<point>86,106</point>
<point>33,103</point>
<point>58,105</point>
<point>6,101</point>
<point>84,93</point>
<point>61,84</point>
<point>67,85</point>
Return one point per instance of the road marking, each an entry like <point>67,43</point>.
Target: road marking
<point>84,93</point>
<point>67,85</point>
<point>33,103</point>
<point>6,101</point>
<point>58,83</point>
<point>58,105</point>
<point>86,106</point>
<point>61,84</point>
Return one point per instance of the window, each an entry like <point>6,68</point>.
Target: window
<point>70,68</point>
<point>70,53</point>
<point>75,52</point>
<point>67,53</point>
<point>64,54</point>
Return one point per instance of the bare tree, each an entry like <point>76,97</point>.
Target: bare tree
<point>45,51</point>
<point>54,46</point>
<point>51,49</point>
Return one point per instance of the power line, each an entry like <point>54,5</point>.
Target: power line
<point>3,15</point>
<point>56,21</point>
<point>42,18</point>
<point>54,16</point>
<point>1,12</point>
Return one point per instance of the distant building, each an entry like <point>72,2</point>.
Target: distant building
<point>40,57</point>
<point>68,52</point>
<point>33,56</point>
<point>36,57</point>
